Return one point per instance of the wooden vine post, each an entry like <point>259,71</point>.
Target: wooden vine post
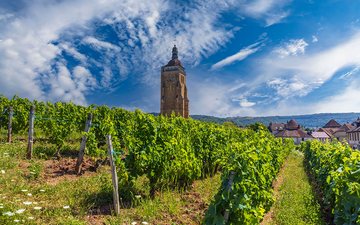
<point>83,145</point>
<point>31,132</point>
<point>228,188</point>
<point>11,113</point>
<point>114,176</point>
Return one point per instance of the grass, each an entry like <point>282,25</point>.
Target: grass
<point>89,196</point>
<point>295,201</point>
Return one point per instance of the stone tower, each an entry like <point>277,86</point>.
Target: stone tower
<point>173,88</point>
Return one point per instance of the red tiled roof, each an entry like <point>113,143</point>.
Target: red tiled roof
<point>320,134</point>
<point>328,131</point>
<point>356,129</point>
<point>346,127</point>
<point>293,134</point>
<point>332,124</point>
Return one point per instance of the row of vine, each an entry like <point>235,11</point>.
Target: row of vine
<point>336,168</point>
<point>170,151</point>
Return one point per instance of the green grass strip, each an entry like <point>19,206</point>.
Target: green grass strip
<point>295,200</point>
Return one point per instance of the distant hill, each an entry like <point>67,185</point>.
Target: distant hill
<point>309,121</point>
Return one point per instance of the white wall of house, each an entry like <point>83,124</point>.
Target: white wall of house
<point>323,139</point>
<point>354,139</point>
<point>340,135</point>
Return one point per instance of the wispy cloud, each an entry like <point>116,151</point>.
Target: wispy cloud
<point>239,56</point>
<point>272,11</point>
<point>275,18</point>
<point>350,74</point>
<point>314,39</point>
<point>32,43</point>
<point>246,103</point>
<point>287,88</point>
<point>35,38</point>
<point>321,65</point>
<point>293,47</point>
<point>346,101</point>
<point>98,44</point>
<point>299,74</point>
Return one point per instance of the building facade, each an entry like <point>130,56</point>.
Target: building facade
<point>353,135</point>
<point>321,136</point>
<point>174,97</point>
<point>276,127</point>
<point>293,130</point>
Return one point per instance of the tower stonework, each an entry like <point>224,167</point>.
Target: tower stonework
<point>173,88</point>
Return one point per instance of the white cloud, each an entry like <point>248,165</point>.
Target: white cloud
<point>6,16</point>
<point>314,39</point>
<point>27,50</point>
<point>214,97</point>
<point>239,56</point>
<point>292,48</point>
<point>96,43</point>
<point>272,19</point>
<point>319,66</point>
<point>287,88</point>
<point>347,101</point>
<point>73,52</point>
<point>270,10</point>
<point>28,53</point>
<point>67,86</point>
<point>297,75</point>
<point>32,41</point>
<point>246,104</point>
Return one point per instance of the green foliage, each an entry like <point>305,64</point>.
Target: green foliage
<point>336,168</point>
<point>4,104</point>
<point>20,107</point>
<point>59,120</point>
<point>172,152</point>
<point>254,164</point>
<point>257,126</point>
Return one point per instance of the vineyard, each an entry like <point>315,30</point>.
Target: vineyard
<point>155,154</point>
<point>336,169</point>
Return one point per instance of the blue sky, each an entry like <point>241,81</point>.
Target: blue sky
<point>243,58</point>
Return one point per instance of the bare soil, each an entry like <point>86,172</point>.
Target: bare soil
<point>56,171</point>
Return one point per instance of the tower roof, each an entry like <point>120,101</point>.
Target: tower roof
<point>174,59</point>
<point>292,125</point>
<point>332,124</point>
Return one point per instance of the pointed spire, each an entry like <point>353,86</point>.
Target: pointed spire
<point>174,52</point>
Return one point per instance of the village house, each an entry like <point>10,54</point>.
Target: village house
<point>293,130</point>
<point>276,127</point>
<point>321,136</point>
<point>353,135</point>
<point>335,130</point>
